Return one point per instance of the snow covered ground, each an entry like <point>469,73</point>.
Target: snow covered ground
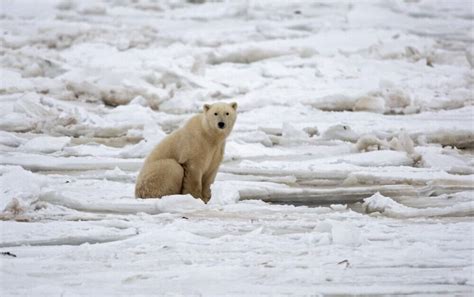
<point>349,171</point>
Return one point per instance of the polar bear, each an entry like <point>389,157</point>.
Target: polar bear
<point>187,160</point>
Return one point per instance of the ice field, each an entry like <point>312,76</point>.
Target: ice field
<point>349,170</point>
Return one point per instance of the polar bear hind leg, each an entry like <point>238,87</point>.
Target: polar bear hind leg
<point>160,178</point>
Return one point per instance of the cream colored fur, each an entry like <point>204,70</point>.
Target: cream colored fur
<point>186,161</point>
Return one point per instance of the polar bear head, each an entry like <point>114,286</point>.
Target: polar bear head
<point>220,117</point>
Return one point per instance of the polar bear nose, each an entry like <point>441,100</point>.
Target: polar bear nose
<point>221,125</point>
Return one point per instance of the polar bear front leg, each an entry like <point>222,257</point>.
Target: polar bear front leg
<point>192,181</point>
<point>206,194</point>
<point>207,181</point>
<point>209,177</point>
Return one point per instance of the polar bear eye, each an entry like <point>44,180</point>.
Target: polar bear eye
<point>226,113</point>
<point>215,113</point>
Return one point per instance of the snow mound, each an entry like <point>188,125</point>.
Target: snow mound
<point>66,5</point>
<point>462,139</point>
<point>10,139</point>
<point>224,193</point>
<point>255,137</point>
<point>346,234</point>
<point>94,9</point>
<point>180,203</point>
<point>389,207</point>
<point>370,103</point>
<point>341,233</point>
<point>446,159</point>
<point>20,188</point>
<point>386,99</point>
<point>289,131</point>
<point>45,144</point>
<point>127,205</point>
<point>401,142</point>
<point>340,132</point>
<point>247,54</point>
<point>370,142</point>
<point>152,134</point>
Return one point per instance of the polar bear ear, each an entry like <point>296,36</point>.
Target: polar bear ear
<point>234,105</point>
<point>206,107</point>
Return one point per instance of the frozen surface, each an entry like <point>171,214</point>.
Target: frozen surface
<point>349,171</point>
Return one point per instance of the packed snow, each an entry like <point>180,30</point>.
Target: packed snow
<point>349,171</point>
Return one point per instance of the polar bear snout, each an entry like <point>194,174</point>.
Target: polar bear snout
<point>221,125</point>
